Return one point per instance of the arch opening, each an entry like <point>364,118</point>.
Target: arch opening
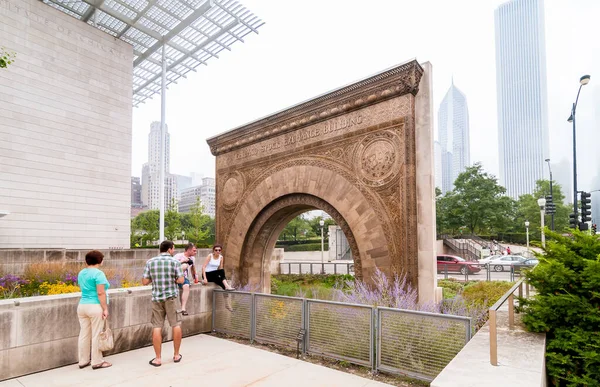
<point>267,227</point>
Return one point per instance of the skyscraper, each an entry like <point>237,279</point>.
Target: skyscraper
<point>453,130</point>
<point>151,171</point>
<point>205,192</point>
<point>521,94</point>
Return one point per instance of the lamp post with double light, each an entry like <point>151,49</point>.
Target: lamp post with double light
<point>584,80</point>
<point>542,204</point>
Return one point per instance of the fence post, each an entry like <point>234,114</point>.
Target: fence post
<point>252,318</point>
<point>493,338</point>
<point>445,271</point>
<point>306,324</point>
<point>290,268</point>
<point>348,267</point>
<point>311,269</point>
<point>512,273</point>
<point>511,311</point>
<point>374,338</point>
<point>335,268</point>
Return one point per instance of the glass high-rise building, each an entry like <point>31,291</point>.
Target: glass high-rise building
<point>453,130</point>
<point>521,94</point>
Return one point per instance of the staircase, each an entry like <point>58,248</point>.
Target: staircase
<point>464,248</point>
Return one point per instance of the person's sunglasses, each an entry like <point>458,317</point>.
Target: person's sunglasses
<point>217,249</point>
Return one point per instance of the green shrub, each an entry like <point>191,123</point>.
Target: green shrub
<point>567,308</point>
<point>485,293</point>
<point>450,287</point>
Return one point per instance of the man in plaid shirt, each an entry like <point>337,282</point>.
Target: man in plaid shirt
<point>164,273</point>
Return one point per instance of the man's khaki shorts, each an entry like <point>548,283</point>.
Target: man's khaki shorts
<point>168,308</point>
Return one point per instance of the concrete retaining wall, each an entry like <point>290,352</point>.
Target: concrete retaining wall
<point>40,333</point>
<point>15,261</point>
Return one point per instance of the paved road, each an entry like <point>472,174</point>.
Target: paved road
<point>347,267</point>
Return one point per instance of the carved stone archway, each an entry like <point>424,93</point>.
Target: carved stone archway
<point>362,153</point>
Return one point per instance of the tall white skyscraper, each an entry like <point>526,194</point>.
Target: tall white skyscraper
<point>523,143</point>
<point>151,171</point>
<point>437,157</point>
<point>453,130</point>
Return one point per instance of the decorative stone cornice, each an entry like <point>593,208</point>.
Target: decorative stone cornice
<point>397,81</point>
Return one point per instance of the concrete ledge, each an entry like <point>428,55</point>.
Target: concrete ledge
<point>40,333</point>
<point>521,356</point>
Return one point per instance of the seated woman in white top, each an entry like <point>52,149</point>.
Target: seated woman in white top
<point>212,270</point>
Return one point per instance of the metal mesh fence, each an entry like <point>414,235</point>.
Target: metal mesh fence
<point>419,344</point>
<point>341,331</point>
<point>278,319</point>
<point>232,313</point>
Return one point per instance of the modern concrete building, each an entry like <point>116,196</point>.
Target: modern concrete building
<point>65,130</point>
<point>136,191</point>
<point>206,193</point>
<point>523,143</point>
<point>453,129</point>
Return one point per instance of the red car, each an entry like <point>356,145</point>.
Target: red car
<point>452,263</point>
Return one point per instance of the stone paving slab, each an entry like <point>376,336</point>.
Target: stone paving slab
<point>207,360</point>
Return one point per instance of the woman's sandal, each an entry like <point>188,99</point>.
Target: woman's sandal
<point>85,365</point>
<point>183,312</point>
<point>104,364</point>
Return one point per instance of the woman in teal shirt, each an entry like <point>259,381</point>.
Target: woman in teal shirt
<point>92,310</point>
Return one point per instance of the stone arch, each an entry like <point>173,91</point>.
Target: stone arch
<point>363,153</point>
<point>268,225</point>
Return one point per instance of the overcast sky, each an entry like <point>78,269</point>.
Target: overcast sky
<point>311,46</point>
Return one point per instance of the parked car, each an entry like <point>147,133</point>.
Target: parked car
<point>527,264</point>
<point>484,261</point>
<point>451,263</point>
<point>498,264</point>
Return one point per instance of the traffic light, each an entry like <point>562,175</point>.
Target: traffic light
<point>583,226</point>
<point>550,206</point>
<point>594,229</point>
<point>573,220</point>
<point>586,206</point>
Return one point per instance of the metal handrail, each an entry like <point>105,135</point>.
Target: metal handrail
<point>511,316</point>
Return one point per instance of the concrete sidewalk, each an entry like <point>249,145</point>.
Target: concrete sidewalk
<point>207,361</point>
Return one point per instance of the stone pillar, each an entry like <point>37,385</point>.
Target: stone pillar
<point>426,232</point>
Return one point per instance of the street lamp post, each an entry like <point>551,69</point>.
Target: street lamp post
<point>551,195</point>
<point>322,223</point>
<point>542,204</point>
<point>582,82</point>
<point>527,233</point>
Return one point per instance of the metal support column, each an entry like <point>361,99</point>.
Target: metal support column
<point>161,185</point>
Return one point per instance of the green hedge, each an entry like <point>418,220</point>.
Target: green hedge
<point>281,243</point>
<point>306,247</point>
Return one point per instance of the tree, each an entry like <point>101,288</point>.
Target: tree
<point>315,226</point>
<point>197,227</point>
<point>146,225</point>
<point>477,202</point>
<point>528,209</point>
<point>172,222</point>
<point>297,226</point>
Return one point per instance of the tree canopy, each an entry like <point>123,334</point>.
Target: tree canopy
<point>478,205</point>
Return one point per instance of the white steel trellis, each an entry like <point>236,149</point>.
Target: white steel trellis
<point>170,38</point>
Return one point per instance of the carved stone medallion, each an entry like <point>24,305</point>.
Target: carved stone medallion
<point>378,159</point>
<point>233,189</point>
